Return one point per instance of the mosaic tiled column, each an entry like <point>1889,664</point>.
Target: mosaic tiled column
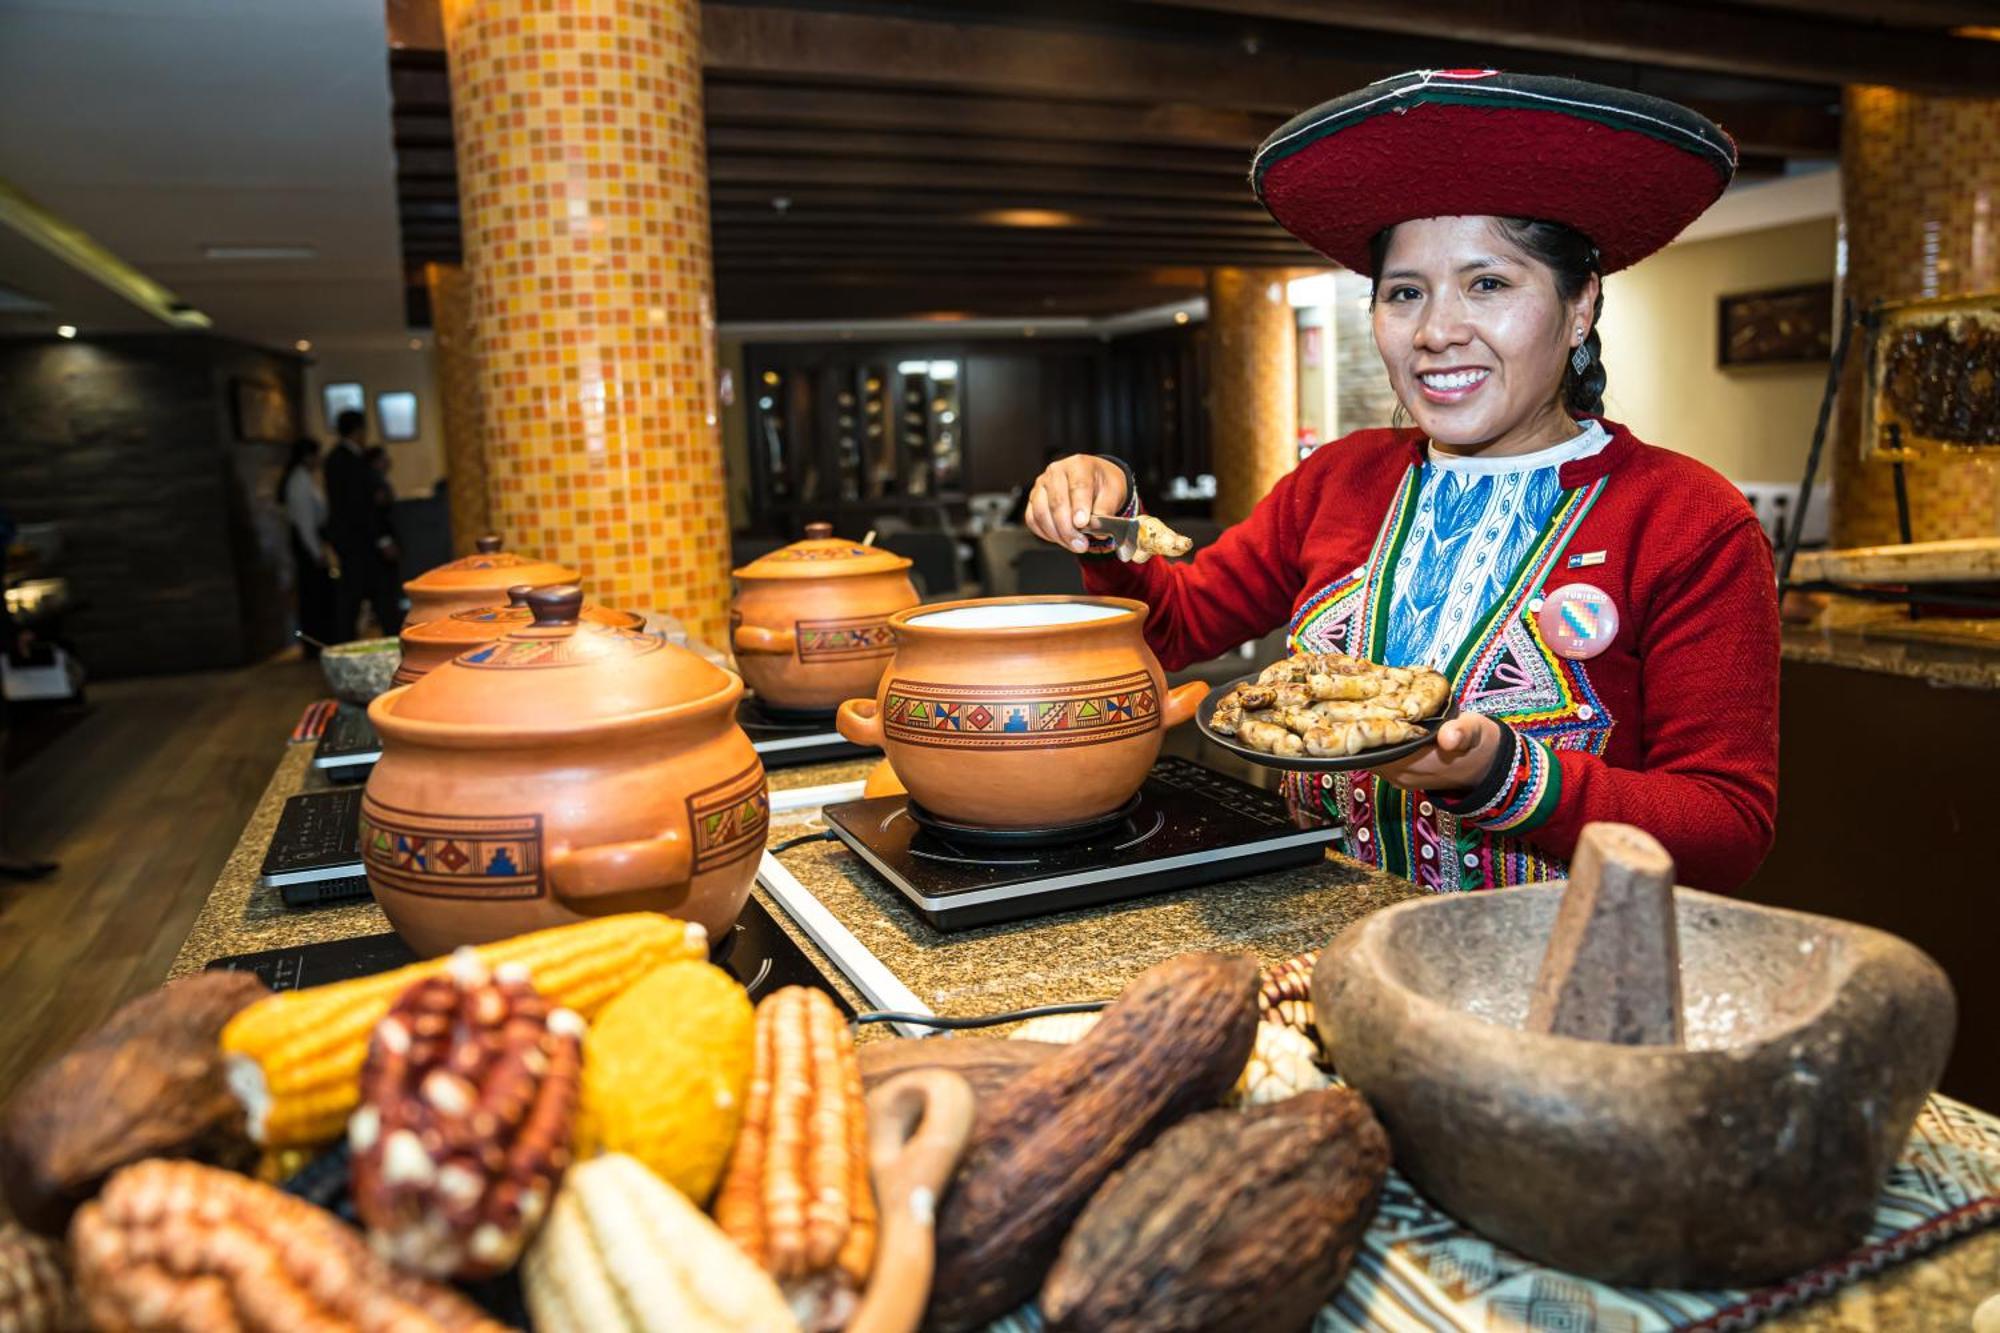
<point>583,187</point>
<point>458,391</point>
<point>1920,206</point>
<point>1252,386</point>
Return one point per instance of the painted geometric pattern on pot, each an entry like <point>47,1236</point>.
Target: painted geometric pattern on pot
<point>729,819</point>
<point>1004,717</point>
<point>449,856</point>
<point>788,554</point>
<point>839,640</point>
<point>561,650</point>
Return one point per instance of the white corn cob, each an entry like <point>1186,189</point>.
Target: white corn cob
<point>624,1252</point>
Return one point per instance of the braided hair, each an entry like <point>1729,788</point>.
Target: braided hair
<point>1568,254</point>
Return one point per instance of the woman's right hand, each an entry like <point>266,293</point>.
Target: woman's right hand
<point>1068,493</point>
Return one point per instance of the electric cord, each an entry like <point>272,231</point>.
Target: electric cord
<point>824,835</point>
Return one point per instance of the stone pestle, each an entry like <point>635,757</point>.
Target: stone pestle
<point>1613,967</point>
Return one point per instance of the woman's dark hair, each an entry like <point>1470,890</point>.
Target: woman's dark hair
<point>1568,254</point>
<point>304,450</point>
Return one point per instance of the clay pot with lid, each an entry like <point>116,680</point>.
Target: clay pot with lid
<point>810,621</point>
<point>479,580</point>
<point>1021,712</point>
<point>565,770</point>
<point>435,642</point>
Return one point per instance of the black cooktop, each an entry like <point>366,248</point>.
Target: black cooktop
<point>1190,825</point>
<point>757,953</point>
<point>786,740</point>
<point>349,747</point>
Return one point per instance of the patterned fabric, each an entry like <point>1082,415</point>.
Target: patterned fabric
<point>1499,664</point>
<point>1475,519</point>
<point>1419,1271</point>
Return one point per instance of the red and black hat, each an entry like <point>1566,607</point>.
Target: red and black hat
<point>1627,170</point>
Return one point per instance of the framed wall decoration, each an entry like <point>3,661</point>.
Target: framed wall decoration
<point>263,412</point>
<point>396,416</point>
<point>1786,325</point>
<point>347,396</point>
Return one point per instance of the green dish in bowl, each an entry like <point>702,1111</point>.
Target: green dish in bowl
<point>362,669</point>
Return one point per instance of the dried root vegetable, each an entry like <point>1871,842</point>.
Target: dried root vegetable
<point>796,1197</point>
<point>624,1252</point>
<point>175,1246</point>
<point>468,1101</point>
<point>1282,1062</point>
<point>1329,706</point>
<point>1156,538</point>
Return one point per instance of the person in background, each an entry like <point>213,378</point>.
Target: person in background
<point>358,528</point>
<point>15,642</point>
<point>304,503</point>
<point>385,506</point>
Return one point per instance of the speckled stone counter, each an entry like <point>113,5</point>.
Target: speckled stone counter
<point>1871,636</point>
<point>1086,954</point>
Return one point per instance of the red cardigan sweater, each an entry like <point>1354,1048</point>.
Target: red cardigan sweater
<point>1673,727</point>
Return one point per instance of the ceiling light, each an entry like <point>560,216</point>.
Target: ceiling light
<point>1977,33</point>
<point>1029,217</point>
<point>65,330</point>
<point>304,344</point>
<point>259,252</point>
<point>1180,316</point>
<point>416,344</point>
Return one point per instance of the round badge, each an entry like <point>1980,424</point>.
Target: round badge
<point>1578,621</point>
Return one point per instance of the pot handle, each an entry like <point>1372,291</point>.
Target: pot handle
<point>621,867</point>
<point>757,639</point>
<point>1182,700</point>
<point>860,721</point>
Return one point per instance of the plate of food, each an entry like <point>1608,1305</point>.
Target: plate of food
<point>1327,712</point>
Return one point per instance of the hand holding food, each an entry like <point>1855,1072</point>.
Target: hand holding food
<point>1068,492</point>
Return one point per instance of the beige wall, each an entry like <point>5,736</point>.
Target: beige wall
<point>1750,424</point>
<point>384,367</point>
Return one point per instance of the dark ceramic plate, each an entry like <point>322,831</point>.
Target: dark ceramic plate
<point>1306,763</point>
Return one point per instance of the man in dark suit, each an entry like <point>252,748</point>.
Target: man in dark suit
<point>358,530</point>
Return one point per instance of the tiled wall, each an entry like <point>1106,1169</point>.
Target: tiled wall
<point>583,187</point>
<point>458,404</point>
<point>1920,198</point>
<point>173,542</point>
<point>1253,389</point>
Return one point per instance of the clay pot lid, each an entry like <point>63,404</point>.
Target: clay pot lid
<point>489,569</point>
<point>821,556</point>
<point>558,674</point>
<point>487,623</point>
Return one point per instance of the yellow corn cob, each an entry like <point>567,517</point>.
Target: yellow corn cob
<point>295,1058</point>
<point>623,1252</point>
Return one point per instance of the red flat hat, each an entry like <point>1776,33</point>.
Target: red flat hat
<point>1626,170</point>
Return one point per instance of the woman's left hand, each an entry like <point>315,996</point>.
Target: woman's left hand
<point>1463,754</point>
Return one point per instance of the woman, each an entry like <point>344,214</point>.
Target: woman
<point>1605,610</point>
<point>304,504</point>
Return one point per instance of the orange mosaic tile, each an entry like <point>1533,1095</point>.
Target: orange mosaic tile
<point>1920,204</point>
<point>583,188</point>
<point>1253,378</point>
<point>458,391</point>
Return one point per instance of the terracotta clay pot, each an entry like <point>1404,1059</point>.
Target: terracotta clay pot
<point>435,642</point>
<point>564,771</point>
<point>810,621</point>
<point>476,581</point>
<point>1021,712</point>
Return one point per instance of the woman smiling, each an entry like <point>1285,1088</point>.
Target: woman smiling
<point>1605,610</point>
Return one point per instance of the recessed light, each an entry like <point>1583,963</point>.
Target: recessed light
<point>1029,217</point>
<point>304,344</point>
<point>1180,316</point>
<point>65,330</point>
<point>259,252</point>
<point>416,344</point>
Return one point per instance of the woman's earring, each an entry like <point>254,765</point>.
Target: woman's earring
<point>1579,360</point>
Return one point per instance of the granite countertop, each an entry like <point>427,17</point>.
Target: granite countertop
<point>1085,954</point>
<point>1956,653</point>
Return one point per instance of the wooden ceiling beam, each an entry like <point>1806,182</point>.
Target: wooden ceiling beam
<point>886,222</point>
<point>1723,39</point>
<point>780,174</point>
<point>1897,13</point>
<point>1171,123</point>
<point>844,144</point>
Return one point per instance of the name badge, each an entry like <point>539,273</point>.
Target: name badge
<point>1578,621</point>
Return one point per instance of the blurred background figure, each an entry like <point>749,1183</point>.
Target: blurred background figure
<point>358,528</point>
<point>304,503</point>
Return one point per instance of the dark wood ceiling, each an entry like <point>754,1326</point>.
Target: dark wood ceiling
<point>859,155</point>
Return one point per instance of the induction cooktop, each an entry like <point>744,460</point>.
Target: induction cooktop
<point>785,740</point>
<point>757,952</point>
<point>1189,825</point>
<point>349,747</point>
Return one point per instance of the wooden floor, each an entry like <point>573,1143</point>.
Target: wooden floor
<point>141,801</point>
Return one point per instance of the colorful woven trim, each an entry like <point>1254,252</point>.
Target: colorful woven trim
<point>1371,619</point>
<point>1528,797</point>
